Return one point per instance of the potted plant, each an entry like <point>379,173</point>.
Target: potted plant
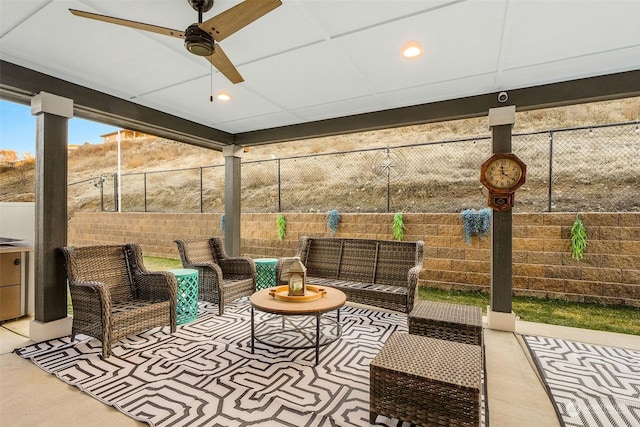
<point>398,226</point>
<point>475,223</point>
<point>578,239</point>
<point>281,225</point>
<point>333,220</point>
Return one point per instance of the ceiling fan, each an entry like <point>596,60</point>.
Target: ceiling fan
<point>200,38</point>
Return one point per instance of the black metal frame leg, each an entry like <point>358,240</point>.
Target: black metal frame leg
<point>253,332</point>
<point>317,338</point>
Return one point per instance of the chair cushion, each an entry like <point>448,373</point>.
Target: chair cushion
<point>137,315</point>
<point>231,281</point>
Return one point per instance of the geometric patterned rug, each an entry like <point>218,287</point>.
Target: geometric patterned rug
<point>589,385</point>
<point>205,375</point>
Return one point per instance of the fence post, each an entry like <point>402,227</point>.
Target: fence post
<point>388,181</point>
<point>145,191</point>
<point>101,193</point>
<point>279,189</point>
<point>550,189</point>
<point>115,193</point>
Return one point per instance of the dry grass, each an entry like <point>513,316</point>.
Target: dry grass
<point>339,184</point>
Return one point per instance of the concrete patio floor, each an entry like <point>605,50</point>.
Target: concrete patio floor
<point>31,397</point>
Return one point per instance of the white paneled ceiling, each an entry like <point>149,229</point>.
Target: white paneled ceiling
<point>317,59</point>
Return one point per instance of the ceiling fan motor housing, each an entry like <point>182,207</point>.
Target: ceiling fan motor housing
<point>201,5</point>
<point>198,41</point>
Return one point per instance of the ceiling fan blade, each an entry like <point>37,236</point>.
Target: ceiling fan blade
<point>231,20</point>
<point>132,24</point>
<point>220,60</point>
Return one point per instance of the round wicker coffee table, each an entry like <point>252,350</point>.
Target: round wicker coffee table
<point>330,331</point>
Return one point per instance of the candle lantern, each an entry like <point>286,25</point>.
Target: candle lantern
<point>297,278</point>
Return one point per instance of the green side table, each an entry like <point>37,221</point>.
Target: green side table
<point>266,269</point>
<point>187,304</point>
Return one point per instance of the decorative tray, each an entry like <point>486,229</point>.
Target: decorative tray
<point>311,293</point>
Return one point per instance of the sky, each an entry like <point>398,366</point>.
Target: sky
<point>18,129</point>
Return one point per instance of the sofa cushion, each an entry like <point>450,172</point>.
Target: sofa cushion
<point>341,284</point>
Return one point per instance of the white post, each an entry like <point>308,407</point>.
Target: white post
<point>119,176</point>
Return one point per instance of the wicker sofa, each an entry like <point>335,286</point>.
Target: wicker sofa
<point>380,273</point>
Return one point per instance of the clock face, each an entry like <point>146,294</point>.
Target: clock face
<point>503,173</point>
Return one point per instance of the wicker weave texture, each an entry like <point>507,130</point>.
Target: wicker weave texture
<point>426,381</point>
<point>453,322</point>
<point>221,279</point>
<point>114,295</point>
<point>380,273</point>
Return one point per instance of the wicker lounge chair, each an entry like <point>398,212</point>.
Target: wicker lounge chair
<point>115,296</point>
<point>221,278</point>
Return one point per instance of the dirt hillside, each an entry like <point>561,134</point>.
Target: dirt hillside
<point>153,154</point>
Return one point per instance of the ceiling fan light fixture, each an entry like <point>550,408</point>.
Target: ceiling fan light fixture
<point>198,41</point>
<point>412,50</point>
<point>223,96</point>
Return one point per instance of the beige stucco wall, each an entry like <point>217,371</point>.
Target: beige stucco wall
<point>542,264</point>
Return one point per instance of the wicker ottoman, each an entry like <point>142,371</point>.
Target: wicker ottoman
<point>453,322</point>
<point>426,381</point>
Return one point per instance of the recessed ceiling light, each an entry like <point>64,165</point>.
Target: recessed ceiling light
<point>223,96</point>
<point>412,50</point>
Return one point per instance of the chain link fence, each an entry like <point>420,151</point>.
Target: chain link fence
<point>594,168</point>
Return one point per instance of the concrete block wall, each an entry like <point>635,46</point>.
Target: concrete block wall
<point>155,232</point>
<point>542,263</point>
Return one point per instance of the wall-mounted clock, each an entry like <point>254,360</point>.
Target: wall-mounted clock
<point>502,174</point>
